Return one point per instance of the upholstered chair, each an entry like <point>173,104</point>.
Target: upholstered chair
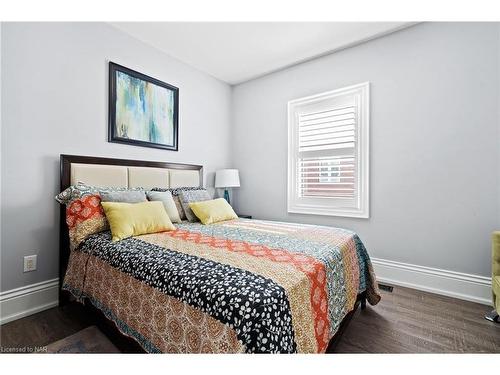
<point>495,277</point>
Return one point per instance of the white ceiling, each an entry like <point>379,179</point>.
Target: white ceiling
<point>235,52</point>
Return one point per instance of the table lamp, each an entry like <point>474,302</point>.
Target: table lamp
<point>225,179</point>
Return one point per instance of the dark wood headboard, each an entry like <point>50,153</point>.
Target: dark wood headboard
<point>65,175</point>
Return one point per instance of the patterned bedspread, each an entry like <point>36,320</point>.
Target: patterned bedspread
<point>237,286</point>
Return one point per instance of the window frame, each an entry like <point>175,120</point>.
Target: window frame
<point>335,206</point>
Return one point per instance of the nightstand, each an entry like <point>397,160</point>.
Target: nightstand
<point>245,216</point>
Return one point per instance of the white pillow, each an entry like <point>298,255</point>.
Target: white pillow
<point>168,202</point>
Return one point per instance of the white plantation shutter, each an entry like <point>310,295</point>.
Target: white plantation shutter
<point>328,153</point>
<point>326,177</point>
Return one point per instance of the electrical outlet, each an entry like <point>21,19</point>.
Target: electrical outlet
<point>29,263</point>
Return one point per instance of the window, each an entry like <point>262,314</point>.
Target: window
<point>328,161</point>
<point>329,172</point>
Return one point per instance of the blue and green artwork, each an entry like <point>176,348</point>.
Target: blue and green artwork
<point>145,112</point>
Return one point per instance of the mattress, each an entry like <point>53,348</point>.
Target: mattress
<point>240,286</point>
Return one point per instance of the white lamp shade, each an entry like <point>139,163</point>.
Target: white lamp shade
<point>225,178</point>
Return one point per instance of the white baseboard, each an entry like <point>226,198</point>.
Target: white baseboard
<point>434,280</point>
<point>27,300</point>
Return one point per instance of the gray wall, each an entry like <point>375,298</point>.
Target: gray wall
<point>1,127</point>
<point>498,135</point>
<point>434,116</point>
<point>54,100</point>
<point>434,142</point>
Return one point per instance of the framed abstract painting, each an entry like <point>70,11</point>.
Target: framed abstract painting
<point>143,111</point>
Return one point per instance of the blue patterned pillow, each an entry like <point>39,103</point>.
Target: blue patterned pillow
<point>176,191</point>
<point>187,196</point>
<point>81,190</point>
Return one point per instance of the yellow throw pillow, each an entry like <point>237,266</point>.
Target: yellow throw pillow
<point>133,219</point>
<point>213,211</point>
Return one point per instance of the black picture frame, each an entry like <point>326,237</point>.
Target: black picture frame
<point>112,126</point>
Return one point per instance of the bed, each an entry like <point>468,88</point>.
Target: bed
<point>238,286</point>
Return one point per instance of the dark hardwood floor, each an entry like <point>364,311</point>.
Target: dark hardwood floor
<point>44,327</point>
<point>411,321</point>
<point>405,321</point>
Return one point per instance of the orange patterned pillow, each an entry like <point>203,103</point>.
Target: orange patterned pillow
<point>84,217</point>
<point>84,214</point>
